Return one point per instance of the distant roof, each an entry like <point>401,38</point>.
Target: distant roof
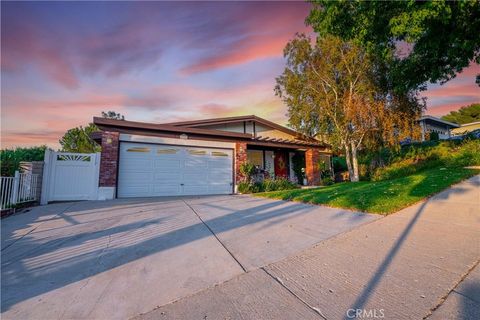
<point>469,124</point>
<point>438,120</point>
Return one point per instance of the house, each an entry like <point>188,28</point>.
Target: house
<point>466,128</point>
<point>429,124</point>
<point>197,157</point>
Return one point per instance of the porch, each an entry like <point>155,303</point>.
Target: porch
<point>299,165</point>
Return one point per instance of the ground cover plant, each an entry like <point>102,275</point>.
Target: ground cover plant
<point>382,197</point>
<point>407,176</point>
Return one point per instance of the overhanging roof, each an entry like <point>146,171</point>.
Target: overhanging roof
<point>111,123</point>
<point>154,128</point>
<point>214,121</point>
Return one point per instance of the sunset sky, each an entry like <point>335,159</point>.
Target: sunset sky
<point>63,63</point>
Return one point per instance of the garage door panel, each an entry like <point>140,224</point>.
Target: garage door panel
<point>166,190</point>
<point>212,162</point>
<point>138,165</point>
<point>194,164</point>
<point>223,178</point>
<point>164,165</point>
<point>195,190</point>
<point>221,188</point>
<point>137,177</point>
<point>136,191</point>
<point>162,170</point>
<point>167,177</point>
<point>195,179</point>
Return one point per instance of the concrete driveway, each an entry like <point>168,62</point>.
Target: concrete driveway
<point>120,258</point>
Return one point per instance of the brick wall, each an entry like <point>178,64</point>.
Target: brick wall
<point>109,159</point>
<point>240,157</point>
<point>312,157</point>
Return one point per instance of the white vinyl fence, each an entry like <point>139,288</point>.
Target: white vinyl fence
<point>70,176</point>
<point>18,189</point>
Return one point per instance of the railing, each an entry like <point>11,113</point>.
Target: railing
<point>18,189</point>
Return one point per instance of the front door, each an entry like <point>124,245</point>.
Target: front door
<point>281,167</point>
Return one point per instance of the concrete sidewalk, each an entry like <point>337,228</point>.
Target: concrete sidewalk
<point>399,267</point>
<point>463,302</point>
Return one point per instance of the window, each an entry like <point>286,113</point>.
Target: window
<point>326,159</point>
<point>138,149</point>
<point>197,152</point>
<point>167,151</point>
<point>255,157</point>
<point>219,154</point>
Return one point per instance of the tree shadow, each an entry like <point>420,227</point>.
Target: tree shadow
<point>31,267</point>
<point>470,299</point>
<point>369,289</point>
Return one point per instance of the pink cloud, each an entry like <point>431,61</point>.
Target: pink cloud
<point>263,37</point>
<point>254,48</point>
<point>458,92</point>
<point>24,45</point>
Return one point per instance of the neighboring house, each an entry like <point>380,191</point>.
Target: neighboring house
<point>466,128</point>
<point>197,157</point>
<point>430,124</point>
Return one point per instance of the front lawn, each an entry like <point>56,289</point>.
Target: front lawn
<point>382,197</point>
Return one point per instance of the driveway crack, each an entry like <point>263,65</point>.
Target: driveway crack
<point>280,282</point>
<point>445,297</point>
<point>216,237</point>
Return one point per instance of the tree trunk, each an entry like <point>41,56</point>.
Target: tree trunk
<point>355,177</point>
<point>348,160</point>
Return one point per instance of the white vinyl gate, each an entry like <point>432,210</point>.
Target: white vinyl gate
<point>70,176</point>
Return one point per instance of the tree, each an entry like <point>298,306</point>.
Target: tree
<point>465,114</point>
<point>440,37</point>
<point>331,88</point>
<point>112,115</point>
<point>78,140</point>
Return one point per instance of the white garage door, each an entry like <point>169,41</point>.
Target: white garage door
<point>147,170</point>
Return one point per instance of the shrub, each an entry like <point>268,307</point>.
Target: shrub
<point>434,136</point>
<point>339,164</point>
<point>283,184</point>
<point>11,158</point>
<point>327,181</point>
<point>243,187</point>
<point>266,185</point>
<point>247,169</point>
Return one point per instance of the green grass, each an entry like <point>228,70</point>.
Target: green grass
<point>382,197</point>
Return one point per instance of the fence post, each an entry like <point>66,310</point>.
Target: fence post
<point>16,185</point>
<point>47,167</point>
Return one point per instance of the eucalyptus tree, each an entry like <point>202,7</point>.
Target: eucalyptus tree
<point>331,89</point>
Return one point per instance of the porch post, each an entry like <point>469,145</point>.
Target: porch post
<point>108,165</point>
<point>312,157</point>
<point>240,158</point>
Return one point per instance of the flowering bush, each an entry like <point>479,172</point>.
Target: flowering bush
<point>266,186</point>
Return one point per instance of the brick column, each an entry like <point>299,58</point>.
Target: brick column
<point>312,170</point>
<point>240,157</point>
<point>109,159</point>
